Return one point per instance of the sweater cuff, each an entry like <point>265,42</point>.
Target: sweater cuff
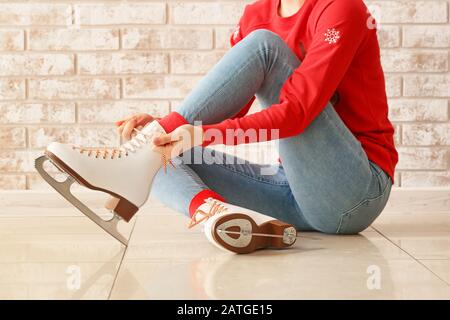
<point>172,121</point>
<point>200,198</point>
<point>209,139</point>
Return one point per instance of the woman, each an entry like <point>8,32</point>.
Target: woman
<point>314,67</point>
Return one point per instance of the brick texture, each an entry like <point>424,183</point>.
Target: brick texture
<point>36,64</point>
<point>27,13</point>
<point>69,69</point>
<point>122,63</point>
<point>124,12</point>
<point>12,40</point>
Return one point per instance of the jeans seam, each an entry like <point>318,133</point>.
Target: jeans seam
<point>378,170</point>
<point>192,176</point>
<point>348,212</point>
<point>361,150</point>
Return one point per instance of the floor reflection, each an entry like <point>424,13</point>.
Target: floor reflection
<point>310,270</point>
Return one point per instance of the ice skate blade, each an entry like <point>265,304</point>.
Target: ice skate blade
<point>63,188</point>
<point>123,208</point>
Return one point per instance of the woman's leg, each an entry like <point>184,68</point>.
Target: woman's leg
<point>227,87</point>
<point>252,65</point>
<point>336,188</point>
<point>238,181</point>
<point>177,187</point>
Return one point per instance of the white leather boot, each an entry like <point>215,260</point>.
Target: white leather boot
<point>241,230</point>
<point>126,172</point>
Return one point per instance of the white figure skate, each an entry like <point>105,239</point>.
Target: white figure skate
<point>126,173</point>
<point>241,230</point>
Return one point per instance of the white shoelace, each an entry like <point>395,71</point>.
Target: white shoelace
<point>137,142</point>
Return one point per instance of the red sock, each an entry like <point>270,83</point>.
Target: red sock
<point>172,121</point>
<point>200,198</point>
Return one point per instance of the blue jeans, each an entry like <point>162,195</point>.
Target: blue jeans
<point>325,183</point>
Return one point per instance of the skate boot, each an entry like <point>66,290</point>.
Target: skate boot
<point>241,230</point>
<point>126,173</point>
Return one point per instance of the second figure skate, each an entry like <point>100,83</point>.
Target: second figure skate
<point>126,173</point>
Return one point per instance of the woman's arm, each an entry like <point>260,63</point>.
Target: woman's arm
<point>305,94</point>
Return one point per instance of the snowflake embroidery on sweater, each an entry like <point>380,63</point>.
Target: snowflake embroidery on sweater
<point>332,35</point>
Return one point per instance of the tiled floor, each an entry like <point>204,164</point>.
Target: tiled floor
<point>49,250</point>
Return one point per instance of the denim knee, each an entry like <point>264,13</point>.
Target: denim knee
<point>264,36</point>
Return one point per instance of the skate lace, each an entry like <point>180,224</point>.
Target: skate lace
<point>138,141</point>
<point>200,215</point>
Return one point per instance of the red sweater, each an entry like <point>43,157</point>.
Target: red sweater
<point>338,47</point>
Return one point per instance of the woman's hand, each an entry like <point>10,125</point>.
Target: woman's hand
<point>126,126</point>
<point>178,141</point>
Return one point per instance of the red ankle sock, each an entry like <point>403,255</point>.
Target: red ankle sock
<point>172,121</point>
<point>200,198</point>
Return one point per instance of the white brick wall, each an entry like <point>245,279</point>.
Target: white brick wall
<point>69,69</point>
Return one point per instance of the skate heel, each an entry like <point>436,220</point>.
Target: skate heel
<point>240,233</point>
<point>122,207</point>
<point>287,231</point>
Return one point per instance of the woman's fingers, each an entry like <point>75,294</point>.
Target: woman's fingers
<point>128,129</point>
<point>123,121</point>
<point>167,144</point>
<point>163,139</point>
<point>125,127</point>
<point>121,124</point>
<point>133,133</point>
<point>120,129</point>
<point>164,150</point>
<point>170,150</point>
